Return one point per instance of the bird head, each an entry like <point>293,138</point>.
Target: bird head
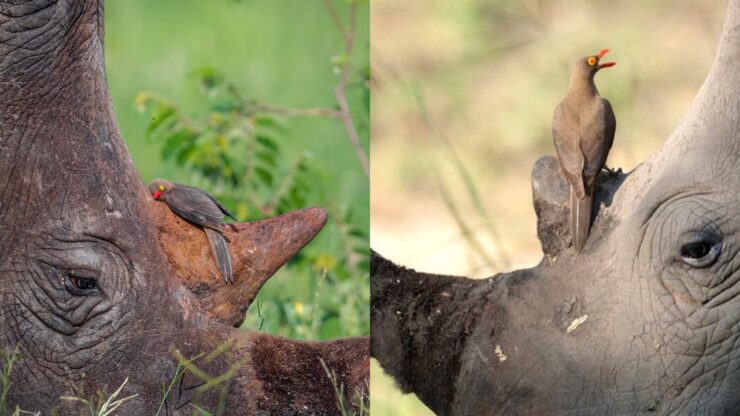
<point>591,64</point>
<point>159,188</point>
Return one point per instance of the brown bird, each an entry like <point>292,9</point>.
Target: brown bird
<point>583,128</point>
<point>200,208</point>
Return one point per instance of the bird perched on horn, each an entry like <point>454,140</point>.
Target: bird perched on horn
<point>583,126</point>
<point>203,209</point>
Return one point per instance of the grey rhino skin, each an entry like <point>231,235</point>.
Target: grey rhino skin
<point>73,207</point>
<point>639,323</point>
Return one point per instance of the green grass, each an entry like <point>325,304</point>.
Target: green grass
<point>360,400</point>
<point>9,358</point>
<point>105,405</point>
<point>8,361</point>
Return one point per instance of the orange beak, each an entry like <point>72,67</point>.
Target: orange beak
<point>157,194</point>
<point>605,64</point>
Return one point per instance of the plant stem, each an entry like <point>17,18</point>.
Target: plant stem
<point>292,112</point>
<point>344,113</point>
<point>335,16</point>
<point>340,91</point>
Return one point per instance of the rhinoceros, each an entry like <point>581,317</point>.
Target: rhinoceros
<point>101,284</point>
<point>646,320</point>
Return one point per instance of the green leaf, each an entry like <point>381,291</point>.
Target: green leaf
<point>159,117</point>
<point>356,232</point>
<point>225,106</point>
<point>174,142</point>
<point>267,158</point>
<point>364,264</point>
<point>264,175</point>
<point>270,123</point>
<point>209,78</point>
<point>267,142</point>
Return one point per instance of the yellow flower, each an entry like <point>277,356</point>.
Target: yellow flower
<point>298,308</point>
<point>324,262</point>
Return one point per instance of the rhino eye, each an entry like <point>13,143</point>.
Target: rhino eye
<point>700,249</point>
<point>80,283</point>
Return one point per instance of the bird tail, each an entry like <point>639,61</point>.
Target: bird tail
<point>221,253</point>
<point>580,219</point>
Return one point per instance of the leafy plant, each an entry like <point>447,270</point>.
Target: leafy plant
<point>233,148</point>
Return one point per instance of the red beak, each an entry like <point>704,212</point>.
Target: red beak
<point>605,64</point>
<point>157,194</point>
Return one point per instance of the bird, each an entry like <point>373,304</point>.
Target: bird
<point>201,208</point>
<point>583,126</point>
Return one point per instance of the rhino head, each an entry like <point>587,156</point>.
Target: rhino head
<point>99,282</point>
<point>646,320</point>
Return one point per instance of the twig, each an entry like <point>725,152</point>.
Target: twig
<point>351,131</point>
<point>283,111</point>
<point>291,112</point>
<point>341,89</point>
<point>335,16</point>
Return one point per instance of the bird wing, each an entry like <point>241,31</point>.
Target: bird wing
<point>221,206</point>
<point>598,134</point>
<point>194,205</point>
<point>567,137</point>
<point>610,124</point>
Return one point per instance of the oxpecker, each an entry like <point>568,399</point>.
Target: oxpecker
<point>583,128</point>
<point>200,208</point>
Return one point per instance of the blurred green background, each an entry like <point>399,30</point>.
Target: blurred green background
<point>189,57</point>
<point>463,93</point>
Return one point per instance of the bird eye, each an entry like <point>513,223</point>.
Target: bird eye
<point>79,284</point>
<point>700,250</point>
<point>592,61</point>
<point>161,187</point>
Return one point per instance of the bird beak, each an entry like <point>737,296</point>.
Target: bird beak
<point>157,194</point>
<point>605,64</point>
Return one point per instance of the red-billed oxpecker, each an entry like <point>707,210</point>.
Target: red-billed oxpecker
<point>200,208</point>
<point>583,131</point>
